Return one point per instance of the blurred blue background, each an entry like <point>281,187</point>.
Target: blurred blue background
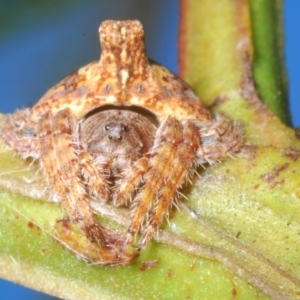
<point>43,41</point>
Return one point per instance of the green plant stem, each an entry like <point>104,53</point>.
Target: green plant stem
<point>268,65</point>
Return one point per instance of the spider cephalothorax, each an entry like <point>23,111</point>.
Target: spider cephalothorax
<point>123,130</point>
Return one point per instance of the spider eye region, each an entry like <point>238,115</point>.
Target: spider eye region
<point>115,131</point>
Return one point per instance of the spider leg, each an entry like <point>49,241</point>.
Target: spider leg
<point>166,149</point>
<point>223,138</point>
<point>180,169</point>
<point>59,154</point>
<point>19,133</point>
<point>94,176</point>
<point>128,183</point>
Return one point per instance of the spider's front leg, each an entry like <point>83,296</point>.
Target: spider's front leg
<point>172,161</point>
<point>221,139</point>
<point>59,152</point>
<point>19,133</point>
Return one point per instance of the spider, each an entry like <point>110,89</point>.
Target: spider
<point>123,130</point>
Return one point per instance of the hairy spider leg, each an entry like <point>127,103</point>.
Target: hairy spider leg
<point>163,154</point>
<point>181,168</point>
<point>132,179</point>
<point>94,176</point>
<point>19,133</point>
<point>222,139</point>
<point>59,147</point>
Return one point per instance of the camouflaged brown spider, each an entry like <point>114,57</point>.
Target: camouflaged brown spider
<point>123,130</point>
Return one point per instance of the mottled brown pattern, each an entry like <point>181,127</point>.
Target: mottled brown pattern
<point>123,130</point>
<point>148,265</point>
<point>272,177</point>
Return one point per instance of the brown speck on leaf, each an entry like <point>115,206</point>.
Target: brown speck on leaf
<point>256,186</point>
<point>276,183</point>
<point>45,250</point>
<point>292,154</point>
<point>169,273</point>
<point>282,167</point>
<point>149,264</point>
<point>30,224</point>
<point>234,292</point>
<point>270,177</point>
